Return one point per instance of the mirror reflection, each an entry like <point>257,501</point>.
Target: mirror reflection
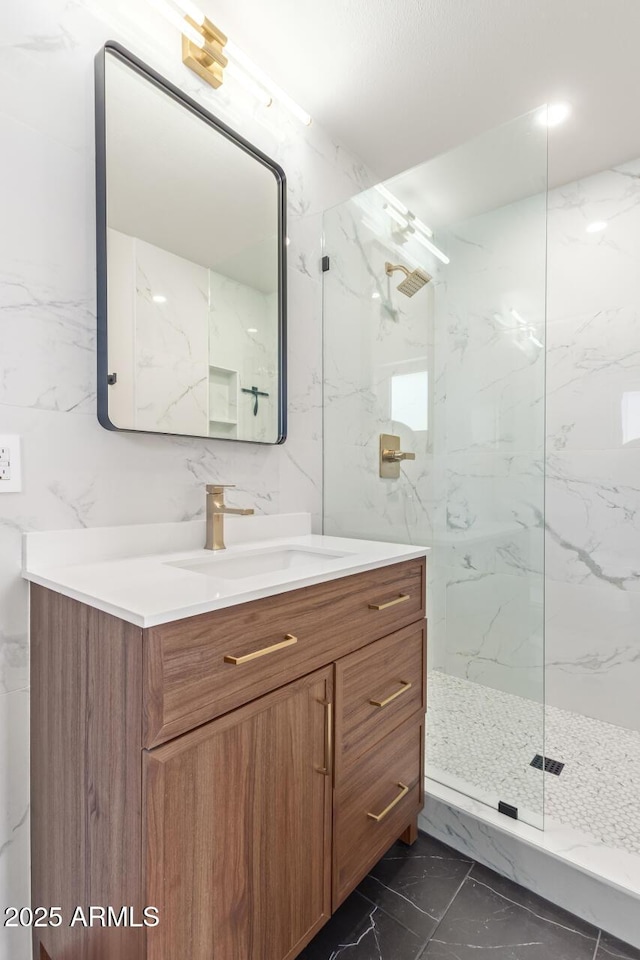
<point>194,269</point>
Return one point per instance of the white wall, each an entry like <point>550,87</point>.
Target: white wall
<point>76,473</point>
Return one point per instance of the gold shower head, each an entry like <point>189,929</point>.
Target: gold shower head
<point>415,280</point>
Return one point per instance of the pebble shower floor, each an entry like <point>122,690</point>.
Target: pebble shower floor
<point>598,791</point>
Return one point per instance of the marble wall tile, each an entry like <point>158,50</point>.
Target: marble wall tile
<point>243,336</point>
<point>488,449</point>
<point>14,649</point>
<point>476,491</point>
<point>15,944</point>
<point>593,517</point>
<point>593,437</point>
<point>74,472</point>
<point>494,633</point>
<point>47,299</point>
<point>592,656</point>
<point>171,343</point>
<point>373,337</point>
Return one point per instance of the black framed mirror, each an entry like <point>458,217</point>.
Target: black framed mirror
<point>191,264</point>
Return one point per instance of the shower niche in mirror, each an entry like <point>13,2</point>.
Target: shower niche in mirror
<point>191,265</point>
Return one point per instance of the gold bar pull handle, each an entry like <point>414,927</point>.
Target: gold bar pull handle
<point>401,598</point>
<point>404,790</point>
<point>382,703</point>
<point>328,739</point>
<point>288,641</point>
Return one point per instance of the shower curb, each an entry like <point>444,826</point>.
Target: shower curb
<point>527,856</point>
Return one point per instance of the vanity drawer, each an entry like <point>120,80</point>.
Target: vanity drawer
<point>377,689</point>
<point>201,667</point>
<point>374,804</point>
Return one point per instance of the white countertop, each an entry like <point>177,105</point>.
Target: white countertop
<point>129,571</point>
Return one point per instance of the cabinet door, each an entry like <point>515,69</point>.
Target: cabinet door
<point>238,830</point>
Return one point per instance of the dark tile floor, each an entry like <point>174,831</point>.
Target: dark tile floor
<point>427,902</point>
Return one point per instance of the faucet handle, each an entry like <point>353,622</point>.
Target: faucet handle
<point>218,487</point>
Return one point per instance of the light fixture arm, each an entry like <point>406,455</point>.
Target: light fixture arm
<point>390,268</point>
<point>208,61</point>
<point>203,51</point>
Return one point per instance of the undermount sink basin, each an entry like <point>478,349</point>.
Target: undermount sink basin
<point>256,562</point>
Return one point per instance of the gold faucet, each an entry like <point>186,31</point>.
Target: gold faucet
<point>216,510</point>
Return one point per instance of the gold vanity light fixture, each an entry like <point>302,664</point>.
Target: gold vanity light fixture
<point>208,52</point>
<point>207,60</point>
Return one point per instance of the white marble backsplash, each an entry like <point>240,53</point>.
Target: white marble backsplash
<point>75,473</point>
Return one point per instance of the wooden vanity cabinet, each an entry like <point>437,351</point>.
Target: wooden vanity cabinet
<point>241,784</point>
<point>242,807</point>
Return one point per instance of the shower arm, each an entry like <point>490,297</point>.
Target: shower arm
<point>390,268</point>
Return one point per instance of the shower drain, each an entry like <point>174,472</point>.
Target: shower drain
<point>546,764</point>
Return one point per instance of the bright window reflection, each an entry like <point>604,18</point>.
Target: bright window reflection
<point>410,399</point>
<point>631,416</point>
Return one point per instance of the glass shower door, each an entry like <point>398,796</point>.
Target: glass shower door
<point>453,365</point>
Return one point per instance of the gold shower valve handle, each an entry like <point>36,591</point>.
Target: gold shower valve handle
<point>395,456</point>
<point>391,456</point>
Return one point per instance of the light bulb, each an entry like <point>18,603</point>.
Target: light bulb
<point>191,10</point>
<point>392,199</point>
<point>172,15</point>
<point>554,114</point>
<point>234,53</point>
<point>233,70</point>
<point>436,251</point>
<point>393,213</point>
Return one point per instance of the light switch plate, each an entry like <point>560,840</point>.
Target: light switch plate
<point>10,465</point>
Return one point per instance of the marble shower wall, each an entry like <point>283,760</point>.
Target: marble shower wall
<point>593,445</point>
<point>170,342</point>
<point>243,336</point>
<point>489,450</point>
<point>74,472</point>
<point>475,490</point>
<point>373,337</point>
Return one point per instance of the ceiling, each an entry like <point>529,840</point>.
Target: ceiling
<point>400,82</point>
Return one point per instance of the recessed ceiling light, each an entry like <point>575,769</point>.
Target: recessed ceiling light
<point>597,226</point>
<point>158,298</point>
<point>554,114</point>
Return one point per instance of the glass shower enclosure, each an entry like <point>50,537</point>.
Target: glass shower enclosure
<point>454,367</point>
